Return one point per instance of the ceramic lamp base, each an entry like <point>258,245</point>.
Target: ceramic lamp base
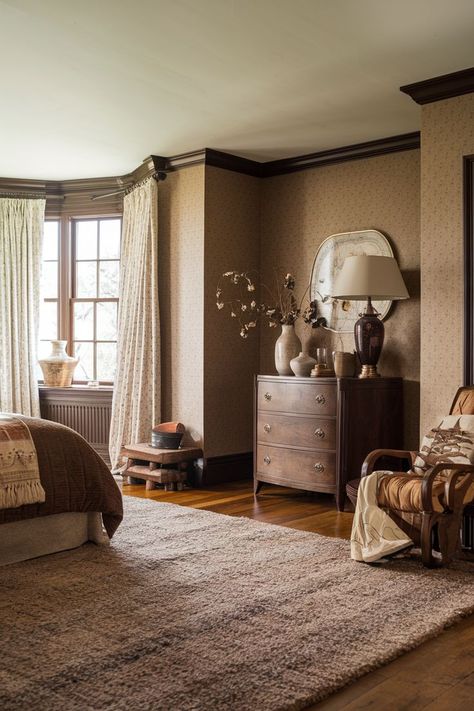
<point>369,371</point>
<point>369,335</point>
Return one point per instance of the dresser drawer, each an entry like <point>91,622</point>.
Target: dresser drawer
<point>293,465</point>
<point>300,397</point>
<point>296,431</point>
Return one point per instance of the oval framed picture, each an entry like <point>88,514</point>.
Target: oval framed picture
<point>341,315</point>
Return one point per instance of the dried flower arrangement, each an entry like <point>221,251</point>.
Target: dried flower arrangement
<point>282,307</point>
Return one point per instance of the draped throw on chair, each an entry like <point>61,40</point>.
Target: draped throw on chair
<point>136,400</point>
<point>21,236</point>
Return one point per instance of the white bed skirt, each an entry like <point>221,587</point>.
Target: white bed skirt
<point>34,537</point>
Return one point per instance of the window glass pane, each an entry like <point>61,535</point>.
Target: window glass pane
<point>108,279</point>
<point>86,239</point>
<point>85,367</point>
<point>83,321</point>
<point>106,355</point>
<point>110,239</point>
<point>107,321</point>
<point>50,239</point>
<point>86,279</point>
<point>48,325</point>
<point>49,280</point>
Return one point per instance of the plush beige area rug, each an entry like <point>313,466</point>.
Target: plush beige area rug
<point>194,610</point>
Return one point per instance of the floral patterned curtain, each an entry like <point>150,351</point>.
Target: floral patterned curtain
<point>21,236</point>
<point>136,400</point>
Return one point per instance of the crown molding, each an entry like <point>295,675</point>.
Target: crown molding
<point>228,161</point>
<point>185,160</point>
<point>237,164</point>
<point>443,87</point>
<point>217,159</point>
<point>57,191</point>
<point>369,149</point>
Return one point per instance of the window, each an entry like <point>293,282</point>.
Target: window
<point>80,282</point>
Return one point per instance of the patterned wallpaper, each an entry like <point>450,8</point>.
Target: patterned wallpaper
<point>181,273</point>
<point>208,223</point>
<point>447,135</point>
<point>301,209</point>
<point>211,220</point>
<point>232,226</point>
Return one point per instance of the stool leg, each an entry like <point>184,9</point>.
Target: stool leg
<point>149,485</point>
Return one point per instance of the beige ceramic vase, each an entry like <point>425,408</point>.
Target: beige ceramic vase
<point>287,347</point>
<point>302,365</point>
<point>58,368</point>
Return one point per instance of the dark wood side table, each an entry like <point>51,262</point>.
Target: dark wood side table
<point>150,464</point>
<point>314,433</point>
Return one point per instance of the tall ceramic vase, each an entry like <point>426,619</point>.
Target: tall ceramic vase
<point>58,368</point>
<point>287,347</point>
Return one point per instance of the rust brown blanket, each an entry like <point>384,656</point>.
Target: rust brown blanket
<point>73,476</point>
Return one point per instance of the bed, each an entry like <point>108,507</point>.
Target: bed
<point>82,502</point>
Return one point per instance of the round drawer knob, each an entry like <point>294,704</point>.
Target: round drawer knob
<point>319,467</point>
<point>267,396</point>
<point>267,428</point>
<point>320,399</point>
<point>267,459</point>
<point>319,433</point>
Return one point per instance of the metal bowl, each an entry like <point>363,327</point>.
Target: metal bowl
<point>166,440</point>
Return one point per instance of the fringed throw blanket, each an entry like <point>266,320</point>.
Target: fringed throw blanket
<point>374,534</point>
<point>19,472</point>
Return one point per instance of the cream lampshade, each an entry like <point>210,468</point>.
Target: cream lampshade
<point>369,277</point>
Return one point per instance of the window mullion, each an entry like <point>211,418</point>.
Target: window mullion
<point>65,265</point>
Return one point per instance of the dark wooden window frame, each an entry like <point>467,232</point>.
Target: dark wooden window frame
<point>66,289</point>
<point>468,209</point>
<point>74,299</point>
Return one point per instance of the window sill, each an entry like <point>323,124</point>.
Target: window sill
<point>75,388</point>
<point>76,394</point>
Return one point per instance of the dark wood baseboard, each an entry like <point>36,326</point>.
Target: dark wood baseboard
<point>228,467</point>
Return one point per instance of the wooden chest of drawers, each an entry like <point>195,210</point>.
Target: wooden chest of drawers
<point>314,433</point>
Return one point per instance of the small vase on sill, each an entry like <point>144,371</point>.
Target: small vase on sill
<point>287,347</point>
<point>58,368</point>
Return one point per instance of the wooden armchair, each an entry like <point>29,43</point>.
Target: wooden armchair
<point>428,506</point>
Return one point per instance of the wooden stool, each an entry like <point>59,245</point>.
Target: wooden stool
<point>148,463</point>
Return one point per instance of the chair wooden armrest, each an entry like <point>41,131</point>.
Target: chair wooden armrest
<point>451,481</point>
<point>372,458</point>
<point>456,470</point>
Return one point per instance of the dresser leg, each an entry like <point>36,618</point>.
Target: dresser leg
<point>257,486</point>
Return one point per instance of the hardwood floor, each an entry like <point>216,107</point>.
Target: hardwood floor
<point>437,676</point>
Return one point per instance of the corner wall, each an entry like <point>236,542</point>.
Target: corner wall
<point>232,242</point>
<point>447,135</point>
<point>212,220</point>
<point>301,209</point>
<point>181,274</point>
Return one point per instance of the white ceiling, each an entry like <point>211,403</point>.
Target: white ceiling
<point>91,88</point>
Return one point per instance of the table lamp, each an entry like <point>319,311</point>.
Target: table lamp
<point>369,277</point>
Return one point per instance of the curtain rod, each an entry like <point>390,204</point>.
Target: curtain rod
<point>157,176</point>
<point>29,196</point>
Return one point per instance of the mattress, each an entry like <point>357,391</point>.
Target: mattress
<point>34,537</point>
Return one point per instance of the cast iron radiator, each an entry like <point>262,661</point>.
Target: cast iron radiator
<point>85,410</point>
